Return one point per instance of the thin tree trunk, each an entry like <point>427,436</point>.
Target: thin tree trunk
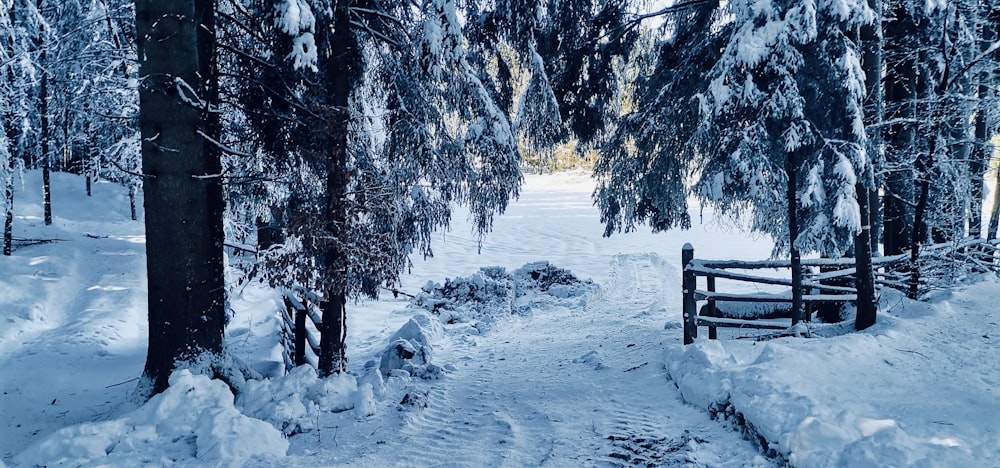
<point>133,189</point>
<point>872,44</point>
<point>864,276</point>
<point>924,166</point>
<point>183,213</point>
<point>900,139</point>
<point>870,37</point>
<point>798,310</point>
<point>43,96</point>
<point>991,230</point>
<point>980,159</point>
<point>8,224</point>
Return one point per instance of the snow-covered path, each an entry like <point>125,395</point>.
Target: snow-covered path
<point>560,387</point>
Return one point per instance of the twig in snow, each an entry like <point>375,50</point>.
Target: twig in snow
<point>912,352</point>
<point>122,383</point>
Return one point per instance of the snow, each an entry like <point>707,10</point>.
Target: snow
<point>910,391</point>
<point>553,346</point>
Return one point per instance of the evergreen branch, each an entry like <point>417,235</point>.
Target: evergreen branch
<point>223,147</point>
<point>373,32</point>
<point>131,173</point>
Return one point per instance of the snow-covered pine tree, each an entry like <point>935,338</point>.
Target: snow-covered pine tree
<point>642,171</point>
<point>569,53</point>
<point>19,21</point>
<point>949,55</point>
<point>783,136</point>
<point>383,125</point>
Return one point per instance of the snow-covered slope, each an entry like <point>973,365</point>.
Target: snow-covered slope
<point>523,375</point>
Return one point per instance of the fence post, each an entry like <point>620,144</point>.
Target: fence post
<point>713,332</point>
<point>689,284</point>
<point>300,333</point>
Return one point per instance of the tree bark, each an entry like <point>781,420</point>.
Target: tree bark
<point>871,45</point>
<point>183,207</point>
<point>798,309</point>
<point>340,70</point>
<point>864,280</point>
<point>44,137</point>
<point>924,166</point>
<point>991,230</point>
<point>900,139</point>
<point>8,223</point>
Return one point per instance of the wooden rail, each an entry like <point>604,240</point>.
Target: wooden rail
<point>300,331</point>
<point>830,285</point>
<point>766,311</point>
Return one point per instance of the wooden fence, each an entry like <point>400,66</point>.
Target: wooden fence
<point>300,331</point>
<point>826,282</point>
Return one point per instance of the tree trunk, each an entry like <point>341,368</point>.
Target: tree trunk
<point>8,223</point>
<point>980,158</point>
<point>133,190</point>
<point>864,280</point>
<point>183,211</point>
<point>991,230</point>
<point>340,73</point>
<point>45,136</point>
<point>333,336</point>
<point>791,166</point>
<point>871,45</point>
<point>924,166</point>
<point>870,37</point>
<point>900,139</point>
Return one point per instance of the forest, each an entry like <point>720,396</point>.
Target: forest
<point>315,146</point>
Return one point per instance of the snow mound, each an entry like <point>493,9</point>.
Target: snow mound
<point>293,402</point>
<point>889,396</point>
<point>194,419</point>
<point>492,292</point>
<point>409,349</point>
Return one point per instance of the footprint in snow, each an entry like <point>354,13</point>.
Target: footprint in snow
<point>591,358</point>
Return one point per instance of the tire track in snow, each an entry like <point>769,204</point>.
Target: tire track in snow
<point>565,386</point>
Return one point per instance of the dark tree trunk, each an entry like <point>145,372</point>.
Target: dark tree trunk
<point>870,38</point>
<point>900,139</point>
<point>984,151</point>
<point>798,309</point>
<point>993,80</point>
<point>11,134</point>
<point>44,137</point>
<point>864,280</point>
<point>333,336</point>
<point>8,223</point>
<point>133,190</point>
<point>340,71</point>
<point>871,46</point>
<point>924,166</point>
<point>183,209</point>
<point>991,230</point>
<point>271,233</point>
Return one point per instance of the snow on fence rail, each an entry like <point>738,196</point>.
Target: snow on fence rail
<point>826,283</point>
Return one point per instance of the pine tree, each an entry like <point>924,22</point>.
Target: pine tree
<point>19,21</point>
<point>383,125</point>
<point>643,168</point>
<point>768,155</point>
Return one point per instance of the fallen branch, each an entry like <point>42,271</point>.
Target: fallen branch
<point>22,242</point>
<point>395,292</point>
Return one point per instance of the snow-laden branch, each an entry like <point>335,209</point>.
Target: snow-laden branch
<point>223,146</point>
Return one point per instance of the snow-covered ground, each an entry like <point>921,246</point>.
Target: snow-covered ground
<point>528,372</point>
